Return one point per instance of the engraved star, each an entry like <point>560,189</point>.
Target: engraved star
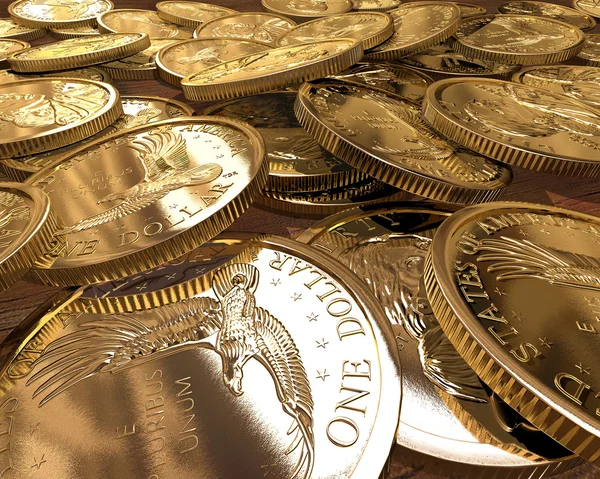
<point>296,296</point>
<point>95,232</point>
<point>171,276</point>
<point>322,344</point>
<point>148,218</point>
<point>524,233</point>
<point>142,287</point>
<point>322,374</point>
<point>173,206</point>
<point>312,317</point>
<point>544,342</point>
<point>269,469</point>
<point>276,282</point>
<point>582,369</point>
<point>34,429</point>
<point>200,271</point>
<point>543,230</point>
<point>39,463</point>
<point>499,291</point>
<point>516,316</point>
<point>121,227</point>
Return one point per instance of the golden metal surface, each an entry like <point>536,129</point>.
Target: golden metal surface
<point>272,69</point>
<point>374,5</point>
<point>147,195</point>
<point>418,26</point>
<point>190,14</point>
<point>517,124</point>
<point>296,162</point>
<point>78,52</point>
<point>591,7</point>
<point>126,20</point>
<point>386,246</point>
<point>591,50</point>
<point>67,33</point>
<point>189,56</point>
<point>262,27</point>
<point>370,28</point>
<point>543,9</point>
<point>231,365</point>
<point>142,65</point>
<point>46,113</point>
<point>305,10</point>
<point>514,287</point>
<point>384,137</point>
<point>8,47</point>
<point>519,39</point>
<point>10,29</point>
<point>137,111</point>
<point>44,14</point>
<point>468,10</point>
<point>579,82</point>
<point>87,73</point>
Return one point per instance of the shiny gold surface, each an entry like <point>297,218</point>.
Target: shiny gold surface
<point>43,114</point>
<point>10,29</point>
<point>542,9</point>
<point>9,46</point>
<point>87,73</point>
<point>370,28</point>
<point>590,7</point>
<point>67,33</point>
<point>190,14</point>
<point>374,5</point>
<point>514,287</point>
<point>418,26</point>
<point>78,52</point>
<point>230,364</point>
<point>519,39</point>
<point>262,27</point>
<point>127,20</point>
<point>41,13</point>
<point>147,195</point>
<point>141,66</point>
<point>591,50</point>
<point>189,56</point>
<point>272,69</point>
<point>517,124</point>
<point>384,137</point>
<point>305,10</point>
<point>468,10</point>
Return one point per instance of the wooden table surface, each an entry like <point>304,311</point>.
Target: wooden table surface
<point>577,194</point>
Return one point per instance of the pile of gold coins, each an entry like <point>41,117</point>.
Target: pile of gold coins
<point>417,321</point>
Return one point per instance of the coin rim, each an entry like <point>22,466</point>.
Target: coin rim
<point>300,18</point>
<point>32,34</point>
<point>590,62</point>
<point>33,23</point>
<point>376,9</point>
<point>575,5</point>
<point>591,21</point>
<point>186,21</point>
<point>103,28</point>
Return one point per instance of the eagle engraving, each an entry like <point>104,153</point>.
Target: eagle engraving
<point>164,157</point>
<point>8,214</point>
<point>232,326</point>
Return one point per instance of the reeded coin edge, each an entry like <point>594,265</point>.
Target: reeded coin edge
<point>63,34</point>
<point>29,36</point>
<point>36,23</point>
<point>184,21</point>
<point>143,73</point>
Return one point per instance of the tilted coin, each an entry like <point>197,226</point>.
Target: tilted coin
<point>591,50</point>
<point>127,20</point>
<point>517,124</point>
<point>375,5</point>
<point>591,7</point>
<point>418,26</point>
<point>514,286</point>
<point>519,39</point>
<point>78,52</point>
<point>305,10</point>
<point>46,113</point>
<point>544,9</point>
<point>468,10</point>
<point>137,111</point>
<point>190,14</point>
<point>67,33</point>
<point>313,394</point>
<point>297,163</point>
<point>272,69</point>
<point>8,47</point>
<point>386,245</point>
<point>87,73</point>
<point>10,29</point>
<point>141,66</point>
<point>188,56</point>
<point>579,82</point>
<point>44,14</point>
<point>393,78</point>
<point>384,137</point>
<point>262,27</point>
<point>371,28</point>
<point>148,195</point>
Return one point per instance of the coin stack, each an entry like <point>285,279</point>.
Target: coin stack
<point>417,322</point>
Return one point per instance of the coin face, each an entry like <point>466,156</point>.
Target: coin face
<point>517,124</point>
<point>543,9</point>
<point>304,10</point>
<point>519,39</point>
<point>514,285</point>
<point>190,14</point>
<point>417,26</point>
<point>272,69</point>
<point>591,50</point>
<point>590,7</point>
<point>78,52</point>
<point>383,137</point>
<point>374,5</point>
<point>143,21</point>
<point>42,114</point>
<point>44,13</point>
<point>468,10</point>
<point>67,33</point>
<point>141,66</point>
<point>88,73</point>
<point>10,29</point>
<point>188,56</point>
<point>262,27</point>
<point>9,46</point>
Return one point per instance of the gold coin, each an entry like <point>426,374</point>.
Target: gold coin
<point>386,245</point>
<point>551,10</point>
<point>262,27</point>
<point>78,52</point>
<point>68,33</point>
<point>517,124</point>
<point>44,14</point>
<point>591,50</point>
<point>188,56</point>
<point>127,20</point>
<point>375,5</point>
<point>468,10</point>
<point>328,373</point>
<point>137,111</point>
<point>10,29</point>
<point>148,195</point>
<point>515,287</point>
<point>8,47</point>
<point>305,10</point>
<point>87,73</point>
<point>418,26</point>
<point>272,69</point>
<point>296,162</point>
<point>384,137</point>
<point>141,66</point>
<point>370,28</point>
<point>519,39</point>
<point>45,113</point>
<point>190,14</point>
<point>591,7</point>
<point>579,82</point>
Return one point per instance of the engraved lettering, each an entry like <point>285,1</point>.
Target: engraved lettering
<point>561,381</point>
<point>340,435</point>
<point>349,327</point>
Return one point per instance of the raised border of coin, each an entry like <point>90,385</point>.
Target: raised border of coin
<point>28,35</point>
<point>186,21</point>
<point>119,70</point>
<point>384,5</point>
<point>590,23</point>
<point>68,33</point>
<point>47,23</point>
<point>345,6</point>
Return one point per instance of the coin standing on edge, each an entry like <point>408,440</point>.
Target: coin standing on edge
<point>10,29</point>
<point>305,10</point>
<point>61,14</point>
<point>141,66</point>
<point>591,50</point>
<point>551,10</point>
<point>125,20</point>
<point>374,5</point>
<point>87,73</point>
<point>190,14</point>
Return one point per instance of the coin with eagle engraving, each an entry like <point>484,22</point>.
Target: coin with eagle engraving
<point>57,14</point>
<point>190,14</point>
<point>10,29</point>
<point>305,10</point>
<point>125,20</point>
